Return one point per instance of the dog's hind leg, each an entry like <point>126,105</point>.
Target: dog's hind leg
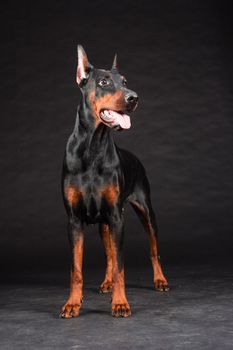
<point>106,285</point>
<point>140,201</point>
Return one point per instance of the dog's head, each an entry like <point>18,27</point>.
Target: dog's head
<point>106,93</point>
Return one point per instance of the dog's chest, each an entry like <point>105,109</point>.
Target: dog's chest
<point>91,196</point>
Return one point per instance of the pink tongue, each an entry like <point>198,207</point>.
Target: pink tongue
<point>115,119</point>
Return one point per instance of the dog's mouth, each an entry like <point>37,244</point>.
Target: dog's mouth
<point>115,119</point>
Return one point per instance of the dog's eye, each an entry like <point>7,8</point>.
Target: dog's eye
<point>104,82</point>
<point>124,81</point>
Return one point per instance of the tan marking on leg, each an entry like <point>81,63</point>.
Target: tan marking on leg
<point>106,285</point>
<point>160,281</point>
<point>73,304</point>
<point>120,305</point>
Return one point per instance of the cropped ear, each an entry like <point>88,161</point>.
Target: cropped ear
<point>114,64</point>
<point>84,66</point>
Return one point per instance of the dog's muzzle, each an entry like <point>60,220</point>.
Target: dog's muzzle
<point>131,100</point>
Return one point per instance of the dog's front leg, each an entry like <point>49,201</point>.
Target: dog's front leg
<point>106,285</point>
<point>120,305</point>
<point>73,304</point>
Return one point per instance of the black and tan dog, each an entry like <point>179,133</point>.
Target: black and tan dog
<point>99,179</point>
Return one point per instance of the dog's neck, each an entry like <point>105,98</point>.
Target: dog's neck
<point>91,143</point>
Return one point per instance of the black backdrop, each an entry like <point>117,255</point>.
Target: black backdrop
<point>178,56</point>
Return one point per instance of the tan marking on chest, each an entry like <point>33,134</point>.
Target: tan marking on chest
<point>111,194</point>
<point>73,195</point>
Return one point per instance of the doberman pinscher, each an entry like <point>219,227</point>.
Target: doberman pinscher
<point>99,178</point>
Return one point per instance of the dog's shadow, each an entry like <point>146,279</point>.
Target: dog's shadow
<point>53,307</point>
<point>95,290</point>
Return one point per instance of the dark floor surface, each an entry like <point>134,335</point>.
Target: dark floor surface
<point>196,314</point>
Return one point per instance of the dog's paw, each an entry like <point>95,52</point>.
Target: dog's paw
<point>161,285</point>
<point>106,287</point>
<point>70,310</point>
<point>121,310</point>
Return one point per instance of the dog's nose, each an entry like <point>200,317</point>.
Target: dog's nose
<point>131,98</point>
